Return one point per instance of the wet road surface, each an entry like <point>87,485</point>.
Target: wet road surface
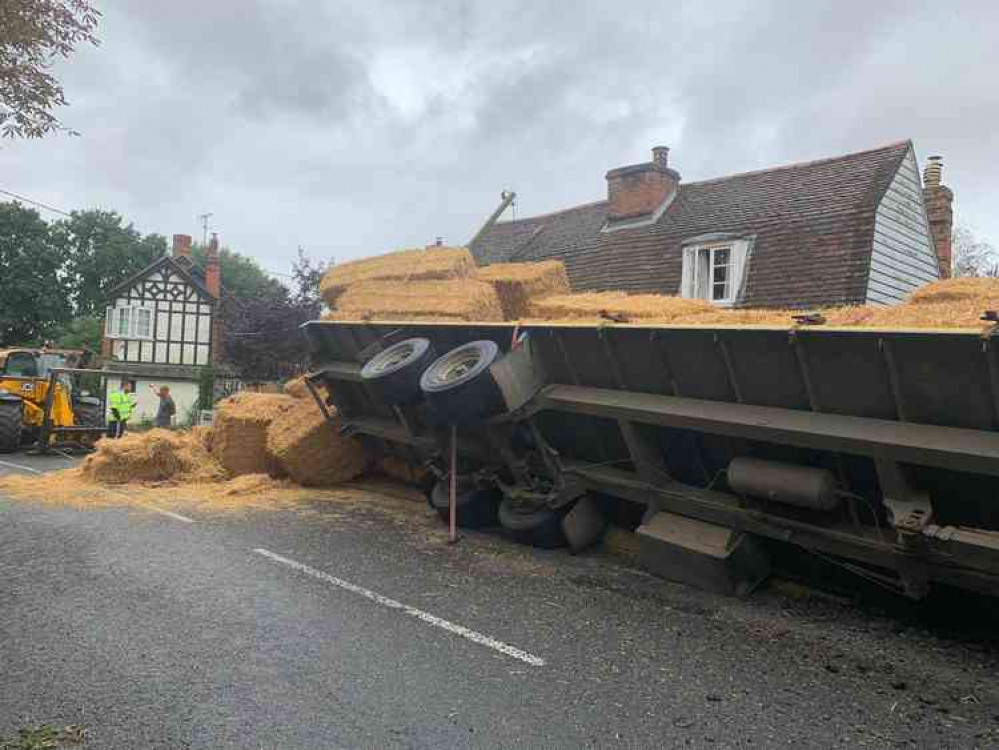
<point>318,627</point>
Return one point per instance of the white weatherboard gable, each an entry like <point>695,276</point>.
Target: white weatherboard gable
<point>903,257</point>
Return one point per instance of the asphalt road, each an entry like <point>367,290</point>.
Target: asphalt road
<point>318,628</point>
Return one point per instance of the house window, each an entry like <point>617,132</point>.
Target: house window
<point>715,272</point>
<point>129,322</point>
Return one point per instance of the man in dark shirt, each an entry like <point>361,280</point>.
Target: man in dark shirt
<point>166,410</point>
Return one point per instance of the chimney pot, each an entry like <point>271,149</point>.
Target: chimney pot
<point>660,156</point>
<point>933,172</point>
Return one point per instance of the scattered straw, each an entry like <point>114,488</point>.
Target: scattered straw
<point>296,388</point>
<point>629,307</point>
<point>517,284</point>
<point>311,450</point>
<point>467,299</point>
<point>397,468</point>
<point>437,263</point>
<point>154,456</point>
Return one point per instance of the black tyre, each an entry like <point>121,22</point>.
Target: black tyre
<point>88,413</point>
<point>538,527</point>
<point>10,424</point>
<point>459,386</point>
<point>475,507</point>
<point>393,375</point>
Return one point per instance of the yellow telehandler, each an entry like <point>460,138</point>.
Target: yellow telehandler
<point>39,400</point>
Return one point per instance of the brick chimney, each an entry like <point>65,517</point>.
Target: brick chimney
<point>213,282</point>
<point>939,200</point>
<point>640,189</point>
<point>213,274</point>
<point>182,246</point>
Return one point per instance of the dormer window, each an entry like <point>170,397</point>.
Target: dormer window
<point>714,268</point>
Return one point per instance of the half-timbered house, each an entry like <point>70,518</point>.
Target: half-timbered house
<point>162,326</point>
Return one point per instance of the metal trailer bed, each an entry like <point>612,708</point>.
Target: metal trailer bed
<point>906,421</point>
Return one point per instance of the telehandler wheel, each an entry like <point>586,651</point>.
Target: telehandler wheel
<point>475,508</point>
<point>538,527</point>
<point>88,414</point>
<point>393,375</point>
<point>10,424</point>
<point>459,387</point>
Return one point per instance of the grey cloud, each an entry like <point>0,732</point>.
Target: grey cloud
<point>350,128</point>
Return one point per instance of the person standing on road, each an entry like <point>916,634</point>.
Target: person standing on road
<point>166,410</point>
<point>122,403</point>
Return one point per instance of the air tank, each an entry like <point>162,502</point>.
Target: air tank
<point>802,486</point>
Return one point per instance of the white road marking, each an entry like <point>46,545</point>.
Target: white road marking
<point>472,635</point>
<point>169,513</point>
<point>22,468</point>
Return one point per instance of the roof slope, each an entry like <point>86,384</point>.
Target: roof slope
<point>813,225</point>
<point>185,267</point>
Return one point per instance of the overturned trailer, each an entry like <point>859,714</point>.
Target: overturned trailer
<point>878,450</point>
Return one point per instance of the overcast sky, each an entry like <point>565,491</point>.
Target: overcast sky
<point>354,128</point>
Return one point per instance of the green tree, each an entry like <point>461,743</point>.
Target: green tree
<point>33,34</point>
<point>101,251</point>
<point>241,276</point>
<point>32,299</point>
<point>80,333</point>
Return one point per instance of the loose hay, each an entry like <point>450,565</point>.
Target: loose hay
<point>516,284</point>
<point>311,450</point>
<point>297,388</point>
<point>982,291</point>
<point>438,263</point>
<point>397,468</point>
<point>239,441</point>
<point>466,299</point>
<point>630,307</point>
<point>154,456</point>
<point>203,434</point>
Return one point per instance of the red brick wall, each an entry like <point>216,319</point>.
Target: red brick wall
<point>639,190</point>
<point>940,212</point>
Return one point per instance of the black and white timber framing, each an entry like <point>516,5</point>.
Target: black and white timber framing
<point>181,310</point>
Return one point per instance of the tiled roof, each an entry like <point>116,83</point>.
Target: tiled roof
<point>813,225</point>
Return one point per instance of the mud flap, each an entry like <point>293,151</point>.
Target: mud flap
<point>700,554</point>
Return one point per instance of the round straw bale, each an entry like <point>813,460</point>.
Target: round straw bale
<point>311,450</point>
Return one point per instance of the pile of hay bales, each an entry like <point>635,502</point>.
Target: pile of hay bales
<point>403,266</point>
<point>517,284</point>
<point>437,284</point>
<point>464,299</point>
<point>154,456</point>
<point>311,450</point>
<point>949,303</point>
<point>239,438</point>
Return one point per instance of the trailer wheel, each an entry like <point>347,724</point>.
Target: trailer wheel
<point>10,424</point>
<point>393,375</point>
<point>538,527</point>
<point>476,508</point>
<point>459,386</point>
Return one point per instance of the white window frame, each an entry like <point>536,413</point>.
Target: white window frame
<point>698,280</point>
<point>122,322</point>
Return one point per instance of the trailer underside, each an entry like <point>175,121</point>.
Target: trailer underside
<point>905,422</point>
